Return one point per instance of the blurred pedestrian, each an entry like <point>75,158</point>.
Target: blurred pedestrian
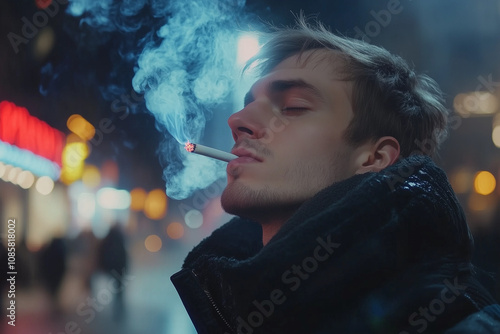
<point>52,268</point>
<point>113,261</point>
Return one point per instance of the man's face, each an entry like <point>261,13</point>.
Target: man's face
<point>289,138</point>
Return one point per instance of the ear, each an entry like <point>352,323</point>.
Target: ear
<point>376,156</point>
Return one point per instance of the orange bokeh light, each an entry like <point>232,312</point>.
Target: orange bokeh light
<point>81,127</point>
<point>153,243</point>
<point>137,199</point>
<point>484,183</point>
<point>91,176</point>
<point>175,230</point>
<point>155,205</point>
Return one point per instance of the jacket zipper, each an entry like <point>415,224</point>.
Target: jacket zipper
<point>210,298</point>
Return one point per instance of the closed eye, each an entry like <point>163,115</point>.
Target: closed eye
<point>293,109</point>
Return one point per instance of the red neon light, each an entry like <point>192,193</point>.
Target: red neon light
<point>19,128</point>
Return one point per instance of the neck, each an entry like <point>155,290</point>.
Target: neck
<point>273,223</point>
<point>269,229</point>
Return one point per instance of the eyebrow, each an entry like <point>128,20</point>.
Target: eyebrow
<point>280,86</point>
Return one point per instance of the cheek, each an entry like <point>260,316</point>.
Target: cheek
<point>311,141</point>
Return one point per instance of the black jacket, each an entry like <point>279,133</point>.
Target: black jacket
<point>384,252</point>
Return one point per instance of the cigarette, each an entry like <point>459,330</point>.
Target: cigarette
<point>209,152</point>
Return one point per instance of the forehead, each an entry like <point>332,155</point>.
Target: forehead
<point>320,68</point>
<point>327,62</point>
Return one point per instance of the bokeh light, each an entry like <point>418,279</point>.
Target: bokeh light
<point>44,43</point>
<point>137,197</point>
<point>91,177</point>
<point>484,183</point>
<point>110,172</point>
<point>193,218</point>
<point>115,199</point>
<point>86,205</point>
<point>5,172</point>
<point>44,185</point>
<point>81,127</point>
<point>495,136</point>
<point>461,180</point>
<point>25,179</point>
<point>488,103</point>
<point>458,105</point>
<point>479,203</point>
<point>155,206</point>
<point>12,175</point>
<point>153,243</point>
<point>73,156</point>
<point>175,230</point>
<point>43,3</point>
<point>475,103</point>
<point>248,46</point>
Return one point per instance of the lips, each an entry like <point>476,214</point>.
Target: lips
<point>245,155</point>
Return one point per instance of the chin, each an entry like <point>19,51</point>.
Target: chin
<point>257,204</point>
<point>241,200</point>
<point>234,198</point>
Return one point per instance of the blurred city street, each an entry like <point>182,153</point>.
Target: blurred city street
<point>100,203</point>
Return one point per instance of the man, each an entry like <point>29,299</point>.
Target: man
<point>344,224</point>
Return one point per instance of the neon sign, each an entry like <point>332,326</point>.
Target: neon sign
<point>19,128</point>
<point>27,160</point>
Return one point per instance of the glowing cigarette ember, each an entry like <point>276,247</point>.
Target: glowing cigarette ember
<point>209,152</point>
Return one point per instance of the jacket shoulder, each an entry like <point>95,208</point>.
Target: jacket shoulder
<point>486,321</point>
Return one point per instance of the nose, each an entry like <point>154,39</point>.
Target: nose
<point>248,122</point>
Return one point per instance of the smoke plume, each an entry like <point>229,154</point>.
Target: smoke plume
<point>184,66</point>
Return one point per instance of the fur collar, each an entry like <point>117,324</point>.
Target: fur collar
<point>363,255</point>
